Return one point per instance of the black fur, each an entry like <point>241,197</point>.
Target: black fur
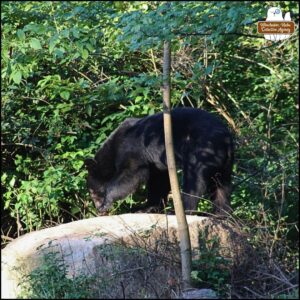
<point>135,154</point>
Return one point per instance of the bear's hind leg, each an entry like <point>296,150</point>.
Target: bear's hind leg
<point>221,198</point>
<point>194,186</point>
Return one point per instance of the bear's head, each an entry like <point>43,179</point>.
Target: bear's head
<point>96,186</point>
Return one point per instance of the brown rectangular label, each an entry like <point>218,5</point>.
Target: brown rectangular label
<point>276,27</point>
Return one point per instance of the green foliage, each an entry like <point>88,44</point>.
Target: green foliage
<point>63,87</point>
<point>50,281</point>
<point>292,295</point>
<point>155,22</point>
<point>211,269</point>
<point>135,271</point>
<point>205,205</point>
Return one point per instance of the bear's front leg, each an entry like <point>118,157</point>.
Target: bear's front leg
<point>158,187</point>
<point>125,182</point>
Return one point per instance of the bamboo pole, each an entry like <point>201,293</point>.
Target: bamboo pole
<point>183,230</point>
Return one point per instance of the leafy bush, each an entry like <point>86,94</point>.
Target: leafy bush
<point>50,280</point>
<point>130,271</point>
<point>211,269</point>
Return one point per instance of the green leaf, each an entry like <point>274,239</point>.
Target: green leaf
<point>16,76</point>
<point>12,182</point>
<point>77,164</point>
<point>3,178</point>
<point>84,54</point>
<point>65,95</point>
<point>7,202</point>
<point>27,7</point>
<point>209,69</point>
<point>59,52</point>
<point>35,44</point>
<point>89,47</point>
<point>75,33</point>
<point>75,210</point>
<point>89,110</point>
<point>31,27</point>
<point>53,41</point>
<point>48,189</point>
<point>21,34</point>
<point>58,146</point>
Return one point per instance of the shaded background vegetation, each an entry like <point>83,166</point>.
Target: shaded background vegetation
<point>72,71</point>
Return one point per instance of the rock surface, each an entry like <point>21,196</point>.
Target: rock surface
<point>80,241</point>
<point>200,294</point>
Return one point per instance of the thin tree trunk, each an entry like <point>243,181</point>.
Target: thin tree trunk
<point>183,230</point>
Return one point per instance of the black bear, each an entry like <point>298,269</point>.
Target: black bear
<point>135,153</point>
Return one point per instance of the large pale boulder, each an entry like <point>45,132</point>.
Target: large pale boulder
<point>96,245</point>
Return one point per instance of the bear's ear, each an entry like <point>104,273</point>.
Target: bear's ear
<point>90,164</point>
